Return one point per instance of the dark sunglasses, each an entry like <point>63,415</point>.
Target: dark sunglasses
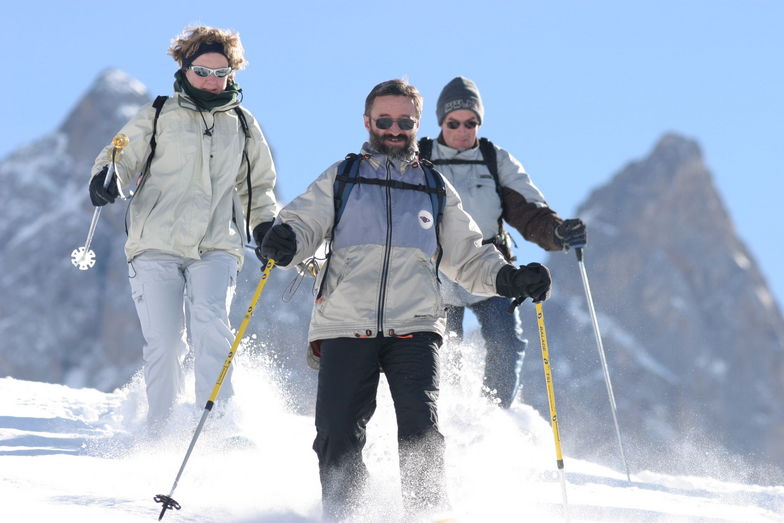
<point>204,72</point>
<point>454,124</point>
<point>405,124</point>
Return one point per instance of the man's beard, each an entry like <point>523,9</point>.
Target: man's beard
<point>395,150</point>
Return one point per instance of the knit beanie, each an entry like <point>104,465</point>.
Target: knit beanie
<point>460,93</point>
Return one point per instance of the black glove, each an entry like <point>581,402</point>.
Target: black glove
<point>280,244</point>
<point>571,233</point>
<point>259,232</point>
<point>99,194</point>
<point>532,280</point>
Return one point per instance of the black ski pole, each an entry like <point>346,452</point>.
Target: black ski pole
<point>167,501</point>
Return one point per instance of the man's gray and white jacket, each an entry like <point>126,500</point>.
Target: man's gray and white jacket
<point>382,275</point>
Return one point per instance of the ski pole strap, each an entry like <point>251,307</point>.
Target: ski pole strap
<point>515,303</point>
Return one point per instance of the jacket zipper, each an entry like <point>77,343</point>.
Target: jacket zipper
<point>387,251</point>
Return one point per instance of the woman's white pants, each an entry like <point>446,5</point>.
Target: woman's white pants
<point>183,302</point>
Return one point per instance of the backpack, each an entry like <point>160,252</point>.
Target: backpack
<point>158,105</point>
<point>490,159</point>
<point>348,176</point>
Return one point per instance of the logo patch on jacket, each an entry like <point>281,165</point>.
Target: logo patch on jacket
<point>425,219</point>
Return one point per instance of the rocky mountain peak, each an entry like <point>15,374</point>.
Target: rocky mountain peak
<point>116,83</point>
<point>682,303</point>
<point>112,99</point>
<point>673,150</point>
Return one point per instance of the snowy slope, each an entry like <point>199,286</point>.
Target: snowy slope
<point>81,455</point>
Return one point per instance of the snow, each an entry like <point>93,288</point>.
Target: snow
<point>741,260</point>
<point>765,297</point>
<point>119,82</point>
<point>128,111</point>
<point>591,216</point>
<point>82,455</point>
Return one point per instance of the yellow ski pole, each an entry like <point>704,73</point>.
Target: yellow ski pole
<point>548,378</point>
<point>167,501</point>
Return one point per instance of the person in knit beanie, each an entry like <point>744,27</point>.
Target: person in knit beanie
<point>460,93</point>
<point>494,188</point>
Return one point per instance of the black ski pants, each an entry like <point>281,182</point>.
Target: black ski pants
<point>347,384</point>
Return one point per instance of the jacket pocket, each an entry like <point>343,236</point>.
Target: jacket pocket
<point>412,293</point>
<point>331,285</point>
<point>438,304</point>
<point>137,294</point>
<point>141,211</point>
<point>238,218</point>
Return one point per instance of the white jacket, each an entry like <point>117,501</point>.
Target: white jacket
<point>195,197</point>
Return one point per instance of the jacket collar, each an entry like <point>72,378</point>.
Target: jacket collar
<point>185,101</point>
<point>450,152</point>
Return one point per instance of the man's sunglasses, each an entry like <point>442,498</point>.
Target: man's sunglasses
<point>204,72</point>
<point>454,124</point>
<point>405,124</point>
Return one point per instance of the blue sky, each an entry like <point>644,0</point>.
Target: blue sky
<point>574,89</point>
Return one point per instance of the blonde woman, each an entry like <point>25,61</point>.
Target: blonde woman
<point>207,180</point>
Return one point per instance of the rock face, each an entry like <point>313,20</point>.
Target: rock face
<point>61,324</point>
<point>694,340</point>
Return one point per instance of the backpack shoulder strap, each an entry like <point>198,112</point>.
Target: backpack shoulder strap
<point>487,149</point>
<point>425,148</point>
<point>158,105</point>
<point>243,121</point>
<point>491,158</point>
<point>435,181</point>
<point>246,132</point>
<point>346,178</point>
<point>348,172</point>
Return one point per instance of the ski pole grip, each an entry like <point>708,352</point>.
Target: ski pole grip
<point>120,141</point>
<point>578,251</point>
